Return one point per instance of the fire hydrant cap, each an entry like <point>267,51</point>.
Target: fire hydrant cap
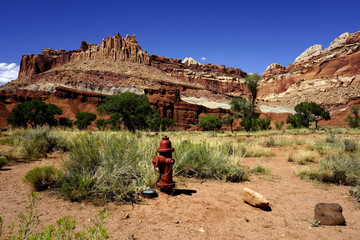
<point>165,145</point>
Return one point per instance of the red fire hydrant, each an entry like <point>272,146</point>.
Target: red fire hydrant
<point>164,163</point>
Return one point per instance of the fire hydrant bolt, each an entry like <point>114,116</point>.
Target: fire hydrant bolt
<point>164,163</point>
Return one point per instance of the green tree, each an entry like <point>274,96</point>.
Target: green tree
<point>306,113</point>
<point>209,123</point>
<point>65,122</point>
<point>101,124</point>
<point>251,81</point>
<point>130,109</point>
<point>245,109</point>
<point>33,113</point>
<point>228,119</point>
<point>354,121</point>
<point>264,123</point>
<point>161,124</point>
<point>84,119</point>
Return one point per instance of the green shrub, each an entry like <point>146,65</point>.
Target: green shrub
<point>28,221</point>
<point>351,145</point>
<point>354,121</point>
<point>109,167</point>
<point>101,124</point>
<point>84,119</point>
<point>40,141</point>
<point>3,162</point>
<point>337,169</point>
<point>65,122</point>
<point>41,178</point>
<point>260,170</point>
<point>209,123</point>
<point>204,161</point>
<point>355,192</point>
<point>264,123</point>
<point>269,142</point>
<point>279,125</point>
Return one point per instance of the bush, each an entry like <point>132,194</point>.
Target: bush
<point>40,141</point>
<point>101,124</point>
<point>354,121</point>
<point>203,161</point>
<point>34,112</point>
<point>65,229</point>
<point>65,122</point>
<point>337,169</point>
<point>84,119</point>
<point>209,123</point>
<point>302,157</point>
<point>41,178</point>
<point>279,125</point>
<point>161,124</point>
<point>351,145</point>
<point>355,192</point>
<point>109,167</point>
<point>264,123</point>
<point>2,162</point>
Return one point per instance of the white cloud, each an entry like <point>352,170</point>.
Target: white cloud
<point>203,58</point>
<point>8,72</point>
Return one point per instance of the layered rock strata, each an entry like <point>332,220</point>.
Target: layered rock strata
<point>330,77</point>
<point>218,79</point>
<point>72,101</point>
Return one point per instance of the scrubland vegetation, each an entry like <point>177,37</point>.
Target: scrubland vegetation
<point>104,166</point>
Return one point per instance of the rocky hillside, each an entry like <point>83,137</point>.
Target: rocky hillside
<point>119,64</point>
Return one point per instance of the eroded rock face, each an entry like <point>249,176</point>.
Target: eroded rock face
<point>219,79</point>
<point>329,77</point>
<point>72,101</point>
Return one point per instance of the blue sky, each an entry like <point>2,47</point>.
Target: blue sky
<point>244,34</point>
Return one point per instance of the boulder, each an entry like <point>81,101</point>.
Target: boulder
<point>255,199</point>
<point>329,214</point>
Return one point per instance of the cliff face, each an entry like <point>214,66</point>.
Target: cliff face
<point>71,101</point>
<point>213,78</point>
<point>330,77</point>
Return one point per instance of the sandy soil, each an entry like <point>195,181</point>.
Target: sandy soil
<point>201,209</point>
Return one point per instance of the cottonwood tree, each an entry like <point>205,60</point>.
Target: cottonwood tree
<point>354,121</point>
<point>34,113</point>
<point>306,113</point>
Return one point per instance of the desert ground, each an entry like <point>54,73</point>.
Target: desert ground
<point>201,209</point>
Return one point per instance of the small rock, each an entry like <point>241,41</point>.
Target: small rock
<point>255,199</point>
<point>329,214</point>
<point>126,215</point>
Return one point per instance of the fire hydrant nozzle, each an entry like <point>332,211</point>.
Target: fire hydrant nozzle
<point>164,163</point>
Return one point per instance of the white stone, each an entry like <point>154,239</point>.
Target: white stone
<point>310,52</point>
<point>255,199</point>
<point>273,65</point>
<point>190,61</point>
<point>338,42</point>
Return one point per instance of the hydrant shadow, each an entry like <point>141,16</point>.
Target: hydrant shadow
<point>188,192</point>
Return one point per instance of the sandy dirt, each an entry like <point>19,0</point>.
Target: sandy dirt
<point>201,209</point>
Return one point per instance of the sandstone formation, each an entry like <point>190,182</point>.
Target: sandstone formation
<point>255,199</point>
<point>213,78</point>
<point>330,77</point>
<point>72,101</point>
<point>329,214</point>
